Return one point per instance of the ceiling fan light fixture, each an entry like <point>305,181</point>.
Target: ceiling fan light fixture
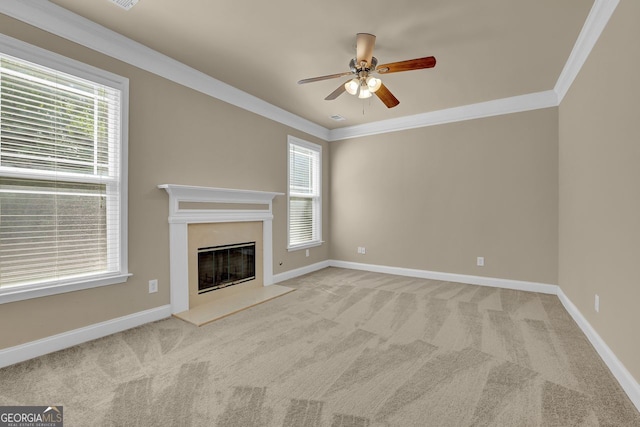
<point>352,86</point>
<point>373,84</point>
<point>364,92</point>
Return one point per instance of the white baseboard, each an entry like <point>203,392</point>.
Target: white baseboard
<point>519,285</point>
<point>624,377</point>
<point>292,274</point>
<point>41,347</point>
<point>22,352</point>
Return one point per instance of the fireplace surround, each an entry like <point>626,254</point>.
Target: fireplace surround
<point>222,234</point>
<point>210,205</point>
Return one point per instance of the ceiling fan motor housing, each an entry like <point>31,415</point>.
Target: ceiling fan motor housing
<point>355,69</point>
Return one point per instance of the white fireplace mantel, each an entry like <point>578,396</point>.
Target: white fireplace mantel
<point>180,218</point>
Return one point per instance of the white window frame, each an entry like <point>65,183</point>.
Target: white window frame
<point>317,197</point>
<point>19,49</point>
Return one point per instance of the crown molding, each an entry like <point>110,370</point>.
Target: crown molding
<point>595,23</point>
<point>61,22</point>
<point>515,104</point>
<point>591,30</point>
<point>66,24</point>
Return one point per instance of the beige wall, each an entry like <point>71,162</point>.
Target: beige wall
<point>599,187</point>
<point>436,198</point>
<point>176,136</point>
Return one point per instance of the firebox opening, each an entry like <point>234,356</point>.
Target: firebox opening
<point>227,265</point>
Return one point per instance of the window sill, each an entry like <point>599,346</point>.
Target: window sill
<point>305,246</point>
<point>21,293</point>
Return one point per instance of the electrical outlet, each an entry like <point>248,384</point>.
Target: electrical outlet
<point>597,303</point>
<point>307,252</point>
<point>480,261</point>
<point>153,286</point>
<point>364,250</point>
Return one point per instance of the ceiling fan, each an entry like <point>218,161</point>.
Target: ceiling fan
<point>363,84</point>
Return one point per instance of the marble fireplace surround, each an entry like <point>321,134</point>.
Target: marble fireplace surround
<point>218,205</point>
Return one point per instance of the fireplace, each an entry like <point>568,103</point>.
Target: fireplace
<point>215,254</point>
<point>225,265</point>
<point>226,216</point>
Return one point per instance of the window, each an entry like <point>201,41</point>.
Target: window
<point>62,174</point>
<point>305,207</point>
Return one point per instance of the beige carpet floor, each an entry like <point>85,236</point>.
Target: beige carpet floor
<point>347,348</point>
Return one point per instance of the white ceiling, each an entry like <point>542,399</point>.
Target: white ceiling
<point>485,49</point>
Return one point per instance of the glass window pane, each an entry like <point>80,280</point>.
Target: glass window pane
<point>51,229</point>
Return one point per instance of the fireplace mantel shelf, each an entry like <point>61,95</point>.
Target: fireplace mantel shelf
<point>190,193</point>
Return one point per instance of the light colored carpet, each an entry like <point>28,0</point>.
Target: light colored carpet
<point>348,348</point>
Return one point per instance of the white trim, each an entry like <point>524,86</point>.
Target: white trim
<point>20,293</point>
<point>43,346</point>
<point>515,104</point>
<point>624,377</point>
<point>179,219</point>
<point>619,371</point>
<point>28,52</point>
<point>305,246</point>
<point>591,31</point>
<point>543,288</point>
<point>59,21</point>
<point>124,179</point>
<point>22,352</point>
<point>292,274</point>
<point>628,383</point>
<point>42,57</point>
<point>189,193</point>
<point>317,218</point>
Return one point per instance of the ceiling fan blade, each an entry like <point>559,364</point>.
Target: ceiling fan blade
<point>408,65</point>
<point>336,93</point>
<point>386,97</point>
<point>364,47</point>
<point>330,76</point>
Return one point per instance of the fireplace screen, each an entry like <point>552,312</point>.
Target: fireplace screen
<point>222,266</point>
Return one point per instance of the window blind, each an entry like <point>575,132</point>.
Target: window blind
<point>304,194</point>
<point>59,176</point>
